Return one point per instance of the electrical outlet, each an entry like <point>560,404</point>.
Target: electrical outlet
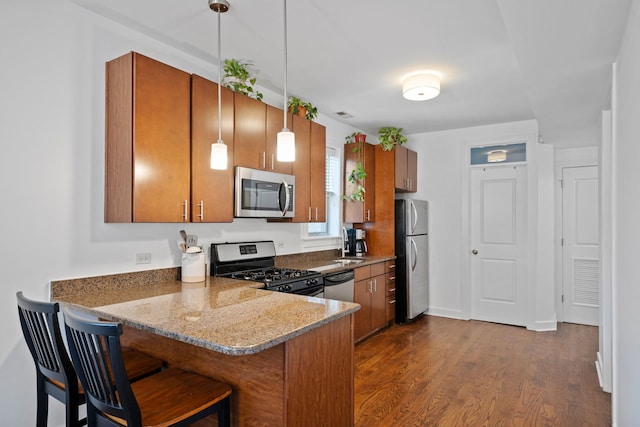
<point>280,244</point>
<point>143,258</point>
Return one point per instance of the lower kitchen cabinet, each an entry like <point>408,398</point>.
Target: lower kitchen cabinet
<point>390,280</point>
<point>370,291</point>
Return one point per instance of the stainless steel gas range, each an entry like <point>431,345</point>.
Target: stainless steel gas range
<point>255,261</point>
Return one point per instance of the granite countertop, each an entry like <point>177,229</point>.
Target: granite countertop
<point>330,264</point>
<point>223,315</point>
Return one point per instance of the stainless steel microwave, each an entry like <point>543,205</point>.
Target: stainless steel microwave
<point>263,194</point>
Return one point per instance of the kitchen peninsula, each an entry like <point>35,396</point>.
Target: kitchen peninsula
<point>288,358</point>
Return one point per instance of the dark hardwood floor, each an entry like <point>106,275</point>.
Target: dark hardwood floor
<point>444,372</point>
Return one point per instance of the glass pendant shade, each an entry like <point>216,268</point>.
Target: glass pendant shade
<point>219,155</point>
<point>286,148</point>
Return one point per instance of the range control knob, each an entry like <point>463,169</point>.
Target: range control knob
<point>311,282</point>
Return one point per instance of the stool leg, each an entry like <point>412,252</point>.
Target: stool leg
<point>42,402</point>
<point>72,411</point>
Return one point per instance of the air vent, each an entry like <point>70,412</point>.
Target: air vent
<point>344,115</point>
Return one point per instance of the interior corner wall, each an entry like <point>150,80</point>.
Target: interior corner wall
<point>544,318</point>
<point>626,227</point>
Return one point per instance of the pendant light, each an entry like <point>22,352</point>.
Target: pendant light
<point>219,148</point>
<point>286,141</point>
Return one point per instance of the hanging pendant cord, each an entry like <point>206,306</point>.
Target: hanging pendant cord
<point>285,62</point>
<point>219,82</point>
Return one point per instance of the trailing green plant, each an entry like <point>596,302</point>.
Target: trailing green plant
<point>357,176</point>
<point>390,136</point>
<point>239,78</point>
<point>295,103</point>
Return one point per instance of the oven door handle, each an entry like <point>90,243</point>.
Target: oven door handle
<point>284,186</point>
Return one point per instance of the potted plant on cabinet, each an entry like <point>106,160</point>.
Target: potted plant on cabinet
<point>390,136</point>
<point>302,108</point>
<point>355,137</point>
<point>357,176</point>
<point>239,78</point>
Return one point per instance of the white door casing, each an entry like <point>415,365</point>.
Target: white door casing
<point>498,244</point>
<point>580,248</point>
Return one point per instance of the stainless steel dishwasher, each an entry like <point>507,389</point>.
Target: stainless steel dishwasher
<point>339,286</point>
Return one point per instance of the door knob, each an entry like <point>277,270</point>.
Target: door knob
<point>475,252</point>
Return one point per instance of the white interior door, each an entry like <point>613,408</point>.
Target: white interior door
<point>498,244</point>
<point>581,246</point>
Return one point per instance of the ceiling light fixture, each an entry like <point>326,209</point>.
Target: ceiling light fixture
<point>497,156</point>
<point>286,141</point>
<point>219,148</point>
<point>421,86</point>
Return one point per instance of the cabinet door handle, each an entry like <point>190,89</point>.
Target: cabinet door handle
<point>392,278</point>
<point>392,301</point>
<point>185,211</point>
<point>201,206</point>
<point>263,155</point>
<point>316,213</point>
<point>392,290</point>
<point>273,167</point>
<point>309,213</point>
<point>375,285</point>
<point>368,214</point>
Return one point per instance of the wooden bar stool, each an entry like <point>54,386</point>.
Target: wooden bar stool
<point>55,375</point>
<point>172,397</point>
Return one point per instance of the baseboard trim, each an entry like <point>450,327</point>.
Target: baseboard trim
<point>446,312</point>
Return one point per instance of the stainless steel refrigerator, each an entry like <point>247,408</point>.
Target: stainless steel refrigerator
<point>412,261</point>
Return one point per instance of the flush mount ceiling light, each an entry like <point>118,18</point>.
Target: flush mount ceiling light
<point>219,148</point>
<point>497,156</point>
<point>421,86</point>
<point>286,140</point>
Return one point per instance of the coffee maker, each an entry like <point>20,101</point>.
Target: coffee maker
<point>360,244</point>
<point>349,241</point>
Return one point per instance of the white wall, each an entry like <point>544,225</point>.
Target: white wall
<point>626,228</point>
<point>443,180</point>
<point>51,168</point>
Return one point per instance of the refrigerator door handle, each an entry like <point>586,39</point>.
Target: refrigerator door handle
<point>414,255</point>
<point>415,217</point>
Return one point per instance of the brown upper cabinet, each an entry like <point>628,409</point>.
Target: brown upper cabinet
<point>406,170</point>
<point>147,156</point>
<point>256,127</point>
<point>211,190</point>
<point>309,170</point>
<point>317,169</point>
<point>275,123</point>
<point>160,124</point>
<point>358,211</point>
<point>250,132</point>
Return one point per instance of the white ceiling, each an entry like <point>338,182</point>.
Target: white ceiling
<point>501,60</point>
